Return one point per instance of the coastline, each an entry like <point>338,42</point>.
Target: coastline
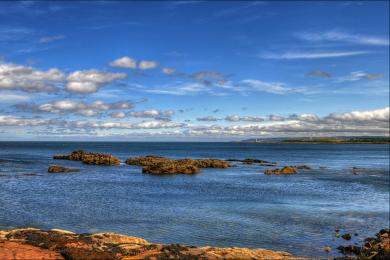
<point>56,244</point>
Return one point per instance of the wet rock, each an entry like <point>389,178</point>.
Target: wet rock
<point>59,169</point>
<point>253,161</point>
<point>376,248</point>
<point>89,158</point>
<point>285,170</point>
<point>160,165</point>
<point>170,168</point>
<point>327,249</point>
<point>358,170</point>
<point>346,236</point>
<point>59,244</point>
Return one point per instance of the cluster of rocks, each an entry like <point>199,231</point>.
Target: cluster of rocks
<point>60,244</point>
<point>58,169</point>
<point>287,170</point>
<point>158,165</point>
<point>375,248</point>
<point>89,158</point>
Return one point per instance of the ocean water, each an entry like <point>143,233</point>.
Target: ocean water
<point>239,206</point>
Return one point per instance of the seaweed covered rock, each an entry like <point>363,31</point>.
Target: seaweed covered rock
<point>77,155</point>
<point>147,160</point>
<point>160,165</point>
<point>170,168</point>
<point>285,170</point>
<point>100,159</point>
<point>58,169</point>
<point>89,158</point>
<point>205,163</point>
<point>376,248</point>
<point>57,244</point>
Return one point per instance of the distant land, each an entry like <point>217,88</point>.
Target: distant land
<point>320,140</point>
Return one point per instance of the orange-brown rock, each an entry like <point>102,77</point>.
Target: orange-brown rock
<point>57,244</point>
<point>170,168</point>
<point>58,169</point>
<point>160,165</point>
<point>89,158</point>
<point>285,170</point>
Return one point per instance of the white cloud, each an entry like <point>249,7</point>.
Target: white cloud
<point>67,106</point>
<point>124,62</point>
<point>270,87</point>
<point>237,118</point>
<point>19,77</point>
<point>168,71</point>
<point>89,81</point>
<point>339,36</point>
<point>152,113</point>
<point>52,38</point>
<point>311,55</point>
<point>362,116</point>
<point>359,75</point>
<point>10,98</point>
<point>145,65</point>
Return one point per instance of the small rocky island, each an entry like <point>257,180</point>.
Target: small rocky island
<point>89,158</point>
<point>158,165</point>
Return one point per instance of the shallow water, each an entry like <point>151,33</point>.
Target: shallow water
<point>239,206</point>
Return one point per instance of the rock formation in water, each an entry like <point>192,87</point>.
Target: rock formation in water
<point>160,165</point>
<point>59,244</point>
<point>58,169</point>
<point>285,170</point>
<point>89,158</point>
<point>375,248</point>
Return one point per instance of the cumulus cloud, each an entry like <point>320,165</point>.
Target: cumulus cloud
<point>76,107</point>
<point>89,81</point>
<point>145,65</point>
<point>208,77</point>
<point>124,62</point>
<point>153,113</point>
<point>370,122</point>
<point>25,78</point>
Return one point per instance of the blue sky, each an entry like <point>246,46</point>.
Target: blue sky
<point>193,70</point>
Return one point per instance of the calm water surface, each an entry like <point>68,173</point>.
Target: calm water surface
<point>239,206</point>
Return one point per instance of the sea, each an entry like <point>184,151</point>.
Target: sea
<point>235,207</point>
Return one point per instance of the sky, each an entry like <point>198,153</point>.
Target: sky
<point>193,70</point>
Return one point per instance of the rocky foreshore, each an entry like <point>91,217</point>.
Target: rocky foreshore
<point>30,243</point>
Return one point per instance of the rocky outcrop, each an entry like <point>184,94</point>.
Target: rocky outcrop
<point>59,169</point>
<point>89,158</point>
<point>285,170</point>
<point>376,248</point>
<point>160,165</point>
<point>58,244</point>
<point>170,168</point>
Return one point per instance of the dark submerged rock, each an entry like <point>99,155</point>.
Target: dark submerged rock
<point>376,248</point>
